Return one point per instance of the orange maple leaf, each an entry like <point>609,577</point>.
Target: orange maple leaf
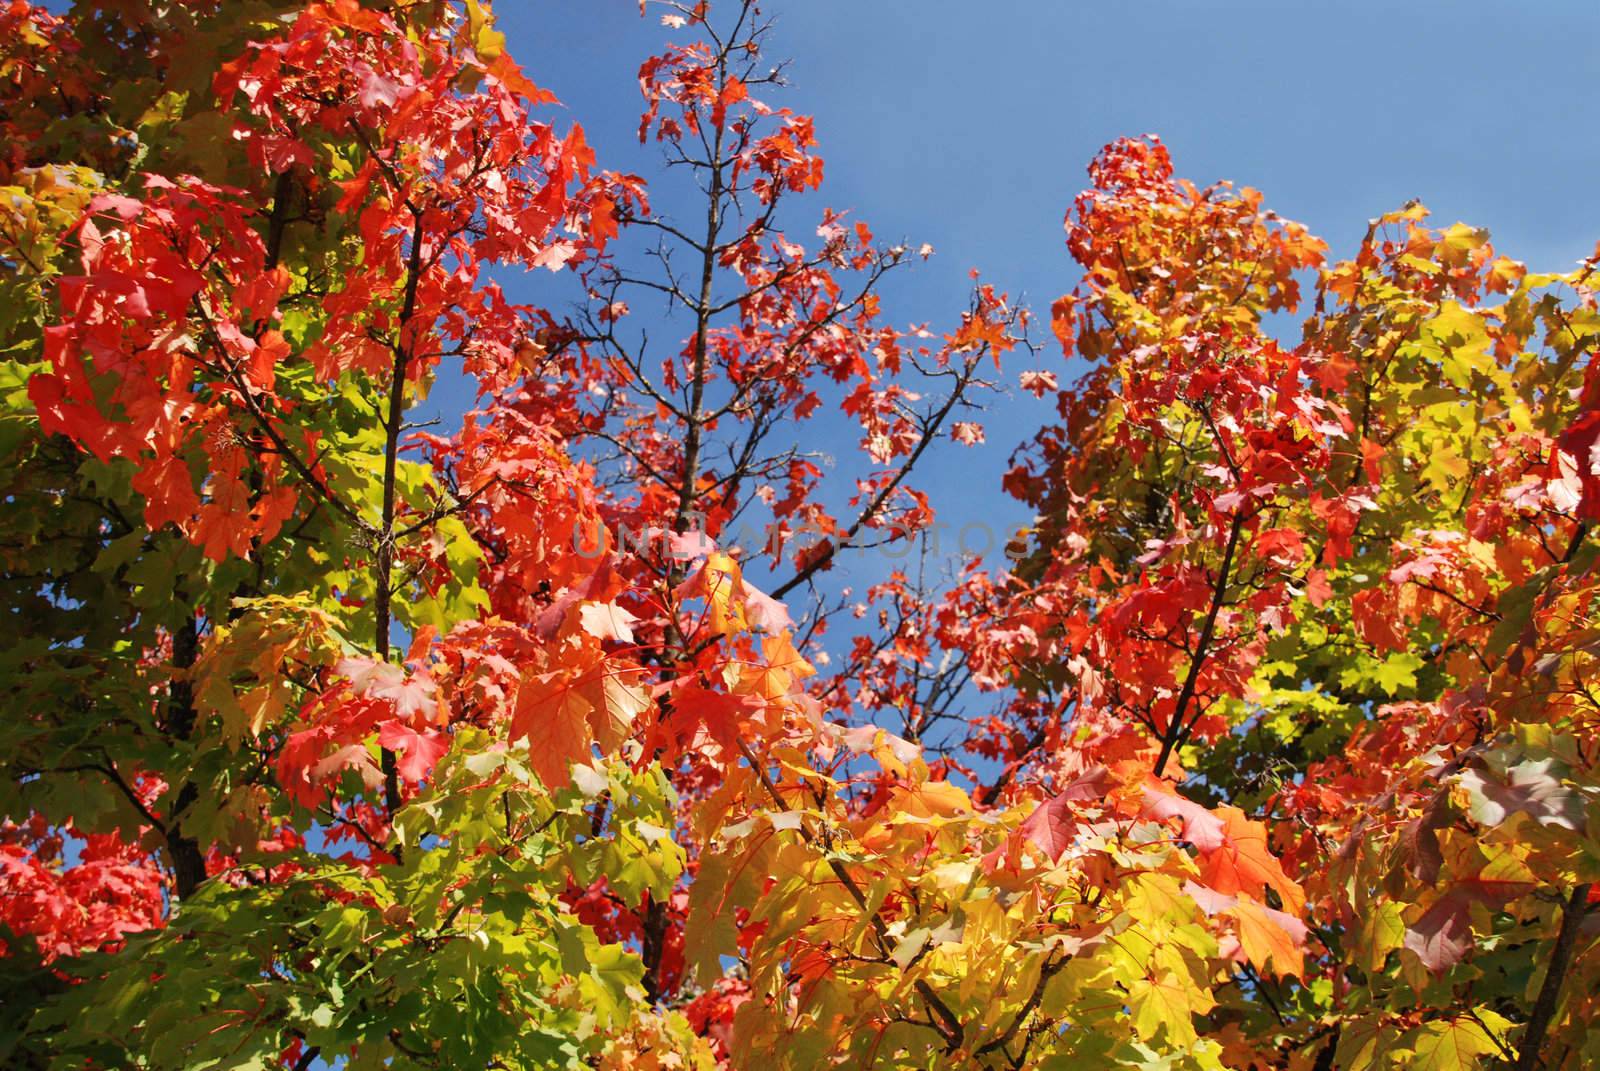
<point>1244,864</point>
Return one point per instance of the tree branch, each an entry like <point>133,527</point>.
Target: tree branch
<point>1175,728</point>
<point>1544,1007</point>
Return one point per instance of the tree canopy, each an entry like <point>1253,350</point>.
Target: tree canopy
<point>341,734</point>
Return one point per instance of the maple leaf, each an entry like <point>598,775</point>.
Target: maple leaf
<point>1053,824</point>
<point>1442,936</point>
<point>722,716</point>
<point>600,585</point>
<point>888,748</point>
<point>1242,862</point>
<point>1039,384</point>
<point>552,712</point>
<point>1201,828</point>
<point>1533,787</point>
<point>378,91</point>
<point>366,674</point>
<point>414,696</point>
<point>1271,939</point>
<point>931,799</point>
<point>1334,372</point>
<point>1377,621</point>
<point>719,582</point>
<point>784,667</point>
<point>348,757</point>
<point>764,613</point>
<point>1456,1043</point>
<point>565,712</point>
<point>618,703</point>
<point>1210,901</point>
<point>506,71</point>
<point>606,621</point>
<point>1318,590</point>
<point>168,489</point>
<point>223,526</point>
<point>418,752</point>
<point>966,432</point>
<point>1167,1002</point>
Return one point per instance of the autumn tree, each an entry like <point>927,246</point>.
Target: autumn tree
<point>1336,589</point>
<point>244,240</point>
<point>342,735</point>
<point>701,451</point>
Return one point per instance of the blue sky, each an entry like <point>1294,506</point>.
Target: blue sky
<point>969,126</point>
